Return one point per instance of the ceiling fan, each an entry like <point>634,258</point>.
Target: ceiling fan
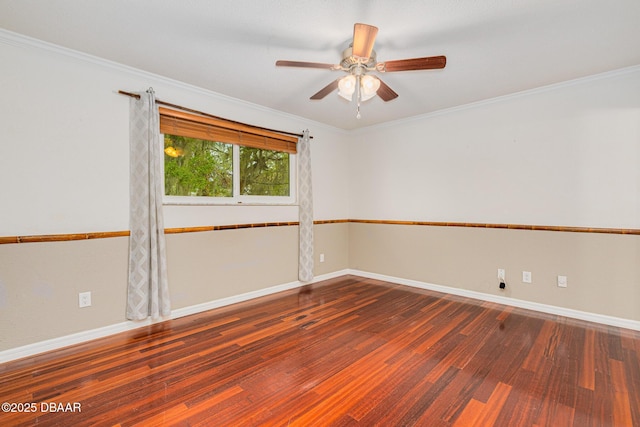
<point>358,60</point>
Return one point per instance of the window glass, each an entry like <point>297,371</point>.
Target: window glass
<point>199,171</point>
<point>196,167</point>
<point>264,172</point>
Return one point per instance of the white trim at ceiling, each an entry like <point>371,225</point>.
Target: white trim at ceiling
<point>515,95</point>
<point>20,40</point>
<point>16,39</point>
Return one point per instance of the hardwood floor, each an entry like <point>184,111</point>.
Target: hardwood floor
<point>349,351</point>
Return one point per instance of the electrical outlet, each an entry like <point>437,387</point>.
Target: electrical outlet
<point>84,299</point>
<point>562,281</point>
<point>501,274</point>
<point>321,257</point>
<point>526,277</point>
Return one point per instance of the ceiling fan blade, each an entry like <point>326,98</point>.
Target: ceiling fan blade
<point>385,92</point>
<point>364,36</point>
<point>302,64</point>
<point>427,63</point>
<point>326,90</point>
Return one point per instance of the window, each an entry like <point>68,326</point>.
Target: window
<point>206,163</point>
<point>264,172</point>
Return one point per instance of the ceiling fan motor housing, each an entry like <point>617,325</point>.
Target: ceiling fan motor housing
<point>349,61</point>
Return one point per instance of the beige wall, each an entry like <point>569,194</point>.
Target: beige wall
<point>40,285</point>
<point>333,242</point>
<point>40,282</point>
<point>603,270</point>
<point>213,265</point>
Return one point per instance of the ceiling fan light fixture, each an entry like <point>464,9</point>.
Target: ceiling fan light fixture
<point>347,86</point>
<point>369,87</point>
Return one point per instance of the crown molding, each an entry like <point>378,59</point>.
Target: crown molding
<point>16,39</point>
<point>503,98</point>
<point>19,40</point>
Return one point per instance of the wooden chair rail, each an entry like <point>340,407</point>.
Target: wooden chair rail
<point>178,230</point>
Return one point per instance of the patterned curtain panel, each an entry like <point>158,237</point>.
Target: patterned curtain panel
<point>305,195</point>
<point>148,290</point>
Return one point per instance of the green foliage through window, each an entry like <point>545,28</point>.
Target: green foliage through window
<point>197,167</point>
<point>263,172</point>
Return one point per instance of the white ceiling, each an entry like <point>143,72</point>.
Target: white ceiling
<point>493,47</point>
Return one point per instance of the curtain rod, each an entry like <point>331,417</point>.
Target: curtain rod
<point>190,110</point>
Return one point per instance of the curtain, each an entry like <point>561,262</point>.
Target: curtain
<point>148,289</point>
<point>305,195</point>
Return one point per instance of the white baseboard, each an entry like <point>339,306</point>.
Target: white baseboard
<point>80,337</point>
<point>544,308</point>
<point>186,311</point>
<point>84,336</point>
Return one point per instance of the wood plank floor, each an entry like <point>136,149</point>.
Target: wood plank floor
<point>348,351</point>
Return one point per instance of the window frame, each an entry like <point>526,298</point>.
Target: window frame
<point>236,198</point>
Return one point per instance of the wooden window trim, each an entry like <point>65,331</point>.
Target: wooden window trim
<point>190,125</point>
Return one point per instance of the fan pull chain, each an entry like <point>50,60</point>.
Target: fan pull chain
<point>358,95</point>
